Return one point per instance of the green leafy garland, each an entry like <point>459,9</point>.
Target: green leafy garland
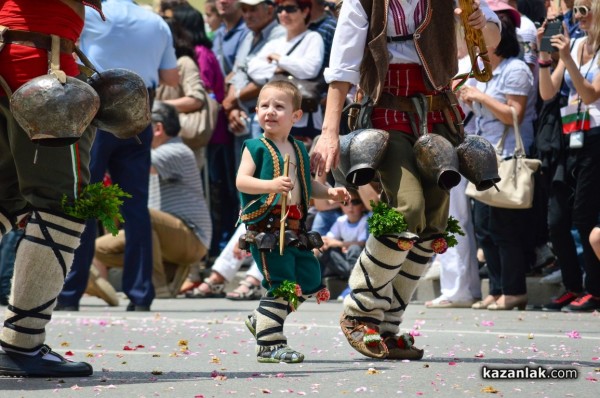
<point>290,291</point>
<point>452,228</point>
<point>100,202</point>
<point>385,220</point>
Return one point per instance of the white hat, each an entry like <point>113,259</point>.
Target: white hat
<point>252,2</point>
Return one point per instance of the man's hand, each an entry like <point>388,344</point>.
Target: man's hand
<point>237,121</point>
<point>477,18</point>
<point>340,194</point>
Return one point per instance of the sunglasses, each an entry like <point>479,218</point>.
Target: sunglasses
<point>353,202</point>
<point>287,9</point>
<point>581,10</point>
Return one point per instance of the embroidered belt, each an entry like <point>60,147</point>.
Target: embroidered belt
<point>437,102</point>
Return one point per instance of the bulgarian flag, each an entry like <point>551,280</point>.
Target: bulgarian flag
<point>574,118</point>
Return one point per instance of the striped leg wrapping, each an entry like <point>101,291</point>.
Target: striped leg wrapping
<point>405,284</point>
<point>270,317</point>
<point>377,266</point>
<point>43,259</point>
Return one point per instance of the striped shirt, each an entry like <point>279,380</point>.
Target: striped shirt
<point>177,189</point>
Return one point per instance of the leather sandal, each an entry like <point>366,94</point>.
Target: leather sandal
<point>216,290</point>
<point>251,292</point>
<point>402,347</point>
<point>363,338</point>
<point>280,354</point>
<point>22,365</point>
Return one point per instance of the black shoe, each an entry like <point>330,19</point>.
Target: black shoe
<point>64,307</point>
<point>561,301</point>
<point>21,365</point>
<point>138,308</point>
<point>587,303</point>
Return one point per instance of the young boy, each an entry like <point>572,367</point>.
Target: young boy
<point>293,277</point>
<point>345,240</point>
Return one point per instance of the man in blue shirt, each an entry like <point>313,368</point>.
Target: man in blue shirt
<point>229,35</point>
<point>139,40</point>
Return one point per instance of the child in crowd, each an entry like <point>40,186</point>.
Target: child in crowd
<point>295,275</point>
<point>345,240</point>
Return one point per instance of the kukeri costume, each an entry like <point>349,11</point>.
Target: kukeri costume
<point>405,74</point>
<point>53,110</point>
<point>262,215</point>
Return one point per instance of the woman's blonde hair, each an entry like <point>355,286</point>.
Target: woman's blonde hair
<point>594,31</point>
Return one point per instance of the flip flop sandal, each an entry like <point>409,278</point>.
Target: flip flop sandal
<point>216,290</point>
<point>189,286</point>
<point>281,354</point>
<point>253,293</point>
<point>363,339</point>
<point>402,347</point>
<point>251,324</point>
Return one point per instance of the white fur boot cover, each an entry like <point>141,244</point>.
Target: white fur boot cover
<point>270,317</point>
<point>371,290</point>
<point>405,284</point>
<point>43,258</point>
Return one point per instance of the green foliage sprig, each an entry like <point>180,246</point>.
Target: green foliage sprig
<point>100,202</point>
<point>385,220</point>
<point>290,291</point>
<point>452,228</point>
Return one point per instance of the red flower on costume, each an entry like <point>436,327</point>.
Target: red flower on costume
<point>439,245</point>
<point>323,295</point>
<point>405,244</point>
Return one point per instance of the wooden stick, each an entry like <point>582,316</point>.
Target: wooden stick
<point>286,170</point>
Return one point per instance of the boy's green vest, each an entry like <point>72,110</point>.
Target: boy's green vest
<point>269,165</point>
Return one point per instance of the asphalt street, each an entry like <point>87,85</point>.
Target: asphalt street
<point>200,348</point>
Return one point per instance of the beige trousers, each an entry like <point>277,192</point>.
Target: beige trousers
<point>174,248</point>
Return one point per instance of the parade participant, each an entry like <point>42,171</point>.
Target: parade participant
<point>291,274</point>
<point>405,65</point>
<point>31,191</point>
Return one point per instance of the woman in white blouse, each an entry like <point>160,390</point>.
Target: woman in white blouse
<point>300,54</point>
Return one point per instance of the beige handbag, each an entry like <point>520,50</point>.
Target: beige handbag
<point>515,189</point>
<point>196,127</point>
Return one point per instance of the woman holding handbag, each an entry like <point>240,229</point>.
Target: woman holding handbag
<point>575,191</point>
<point>504,234</point>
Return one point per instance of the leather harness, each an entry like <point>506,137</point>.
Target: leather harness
<point>34,39</point>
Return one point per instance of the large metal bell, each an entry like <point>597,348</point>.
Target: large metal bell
<point>478,162</point>
<point>54,113</point>
<point>437,160</point>
<point>124,102</point>
<point>361,152</point>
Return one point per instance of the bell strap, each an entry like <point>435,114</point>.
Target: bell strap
<point>5,87</point>
<point>54,60</point>
<point>87,68</point>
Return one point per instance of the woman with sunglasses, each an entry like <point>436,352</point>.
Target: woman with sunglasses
<point>577,199</point>
<point>299,54</point>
